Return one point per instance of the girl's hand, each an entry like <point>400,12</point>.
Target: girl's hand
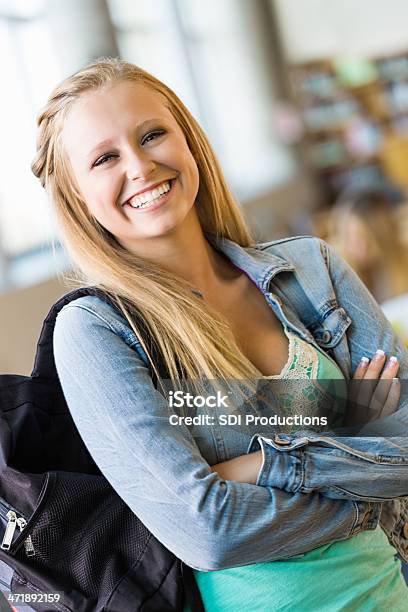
<point>244,468</point>
<point>375,390</point>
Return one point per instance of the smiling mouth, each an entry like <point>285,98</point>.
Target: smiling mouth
<point>148,198</point>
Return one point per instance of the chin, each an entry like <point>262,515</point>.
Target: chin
<point>167,226</point>
<point>166,231</point>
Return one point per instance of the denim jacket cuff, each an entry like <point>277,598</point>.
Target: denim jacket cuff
<point>282,470</point>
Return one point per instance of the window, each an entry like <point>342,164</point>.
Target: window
<point>28,73</point>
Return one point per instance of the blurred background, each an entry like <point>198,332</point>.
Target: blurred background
<point>305,104</point>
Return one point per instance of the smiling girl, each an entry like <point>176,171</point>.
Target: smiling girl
<point>147,216</point>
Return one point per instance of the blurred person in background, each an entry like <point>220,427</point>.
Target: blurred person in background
<point>365,228</point>
<point>147,216</point>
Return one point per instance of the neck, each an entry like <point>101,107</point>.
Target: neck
<point>189,255</point>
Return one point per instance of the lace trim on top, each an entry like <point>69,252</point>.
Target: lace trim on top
<point>301,388</point>
<point>303,360</point>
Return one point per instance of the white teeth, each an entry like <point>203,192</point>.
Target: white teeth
<point>149,196</point>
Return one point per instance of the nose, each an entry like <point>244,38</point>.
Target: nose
<point>138,165</point>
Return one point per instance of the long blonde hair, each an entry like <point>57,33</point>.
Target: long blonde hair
<point>190,335</point>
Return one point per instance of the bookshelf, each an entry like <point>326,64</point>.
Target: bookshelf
<point>355,119</point>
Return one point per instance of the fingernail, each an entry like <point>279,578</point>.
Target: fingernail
<point>395,381</point>
<point>379,354</point>
<point>392,361</point>
<point>364,361</point>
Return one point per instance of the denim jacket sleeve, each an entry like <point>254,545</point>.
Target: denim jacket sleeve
<point>369,469</point>
<point>372,466</point>
<point>158,470</point>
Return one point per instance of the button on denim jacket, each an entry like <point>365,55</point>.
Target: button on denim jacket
<point>312,488</point>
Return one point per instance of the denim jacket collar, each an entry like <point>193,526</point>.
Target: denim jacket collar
<point>259,265</point>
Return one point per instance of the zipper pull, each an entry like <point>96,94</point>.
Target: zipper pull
<point>28,543</point>
<point>10,529</point>
<point>29,547</point>
<point>22,523</point>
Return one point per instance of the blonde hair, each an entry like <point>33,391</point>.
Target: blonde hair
<point>192,337</point>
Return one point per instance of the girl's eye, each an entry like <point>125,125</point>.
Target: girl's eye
<point>104,158</point>
<point>147,138</point>
<point>151,136</point>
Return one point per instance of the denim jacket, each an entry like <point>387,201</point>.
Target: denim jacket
<point>312,489</point>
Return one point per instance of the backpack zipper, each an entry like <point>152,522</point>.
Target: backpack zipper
<point>15,521</point>
<point>28,543</point>
<point>10,529</point>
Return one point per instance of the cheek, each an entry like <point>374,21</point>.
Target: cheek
<point>192,172</point>
<point>99,195</point>
<point>185,161</point>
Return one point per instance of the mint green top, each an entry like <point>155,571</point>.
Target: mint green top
<point>356,575</point>
<point>361,573</point>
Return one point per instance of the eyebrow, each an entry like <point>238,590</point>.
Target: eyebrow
<point>108,142</point>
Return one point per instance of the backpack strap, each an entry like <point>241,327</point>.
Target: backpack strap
<point>44,363</point>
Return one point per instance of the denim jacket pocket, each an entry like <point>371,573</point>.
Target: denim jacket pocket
<point>331,328</point>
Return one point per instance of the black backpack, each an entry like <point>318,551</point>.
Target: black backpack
<point>63,529</point>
